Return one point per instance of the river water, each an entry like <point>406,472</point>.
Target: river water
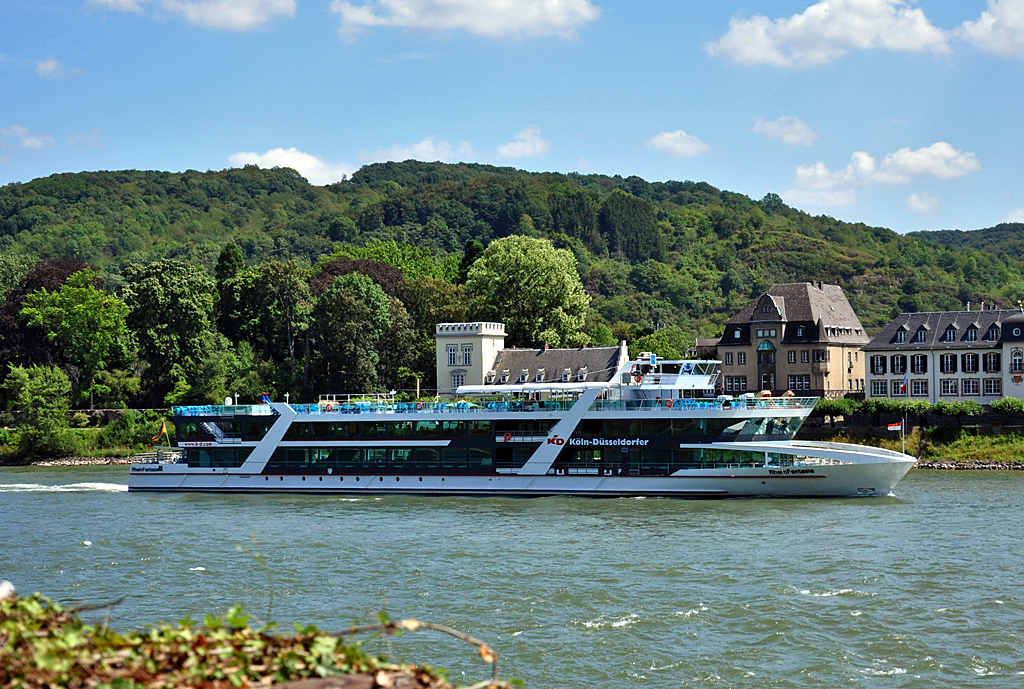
<point>925,589</point>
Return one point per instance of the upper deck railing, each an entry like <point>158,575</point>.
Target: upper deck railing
<point>665,405</point>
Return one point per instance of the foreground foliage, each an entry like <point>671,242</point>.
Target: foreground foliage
<point>43,644</point>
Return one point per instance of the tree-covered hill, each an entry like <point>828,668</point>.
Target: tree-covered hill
<point>1004,240</point>
<point>682,254</point>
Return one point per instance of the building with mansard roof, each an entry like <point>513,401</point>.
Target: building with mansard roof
<point>799,336</point>
<point>474,354</point>
<point>949,356</point>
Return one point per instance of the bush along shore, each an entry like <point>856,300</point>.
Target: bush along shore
<point>44,644</point>
<point>945,435</point>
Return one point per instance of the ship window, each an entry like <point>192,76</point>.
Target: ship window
<point>480,427</point>
<point>450,429</point>
<point>426,429</point>
<point>400,429</point>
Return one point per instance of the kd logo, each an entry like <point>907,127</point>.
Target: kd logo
<point>555,440</point>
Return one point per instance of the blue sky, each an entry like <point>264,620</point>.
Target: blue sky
<point>900,114</point>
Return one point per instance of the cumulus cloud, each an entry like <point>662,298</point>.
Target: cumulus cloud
<point>817,185</point>
<point>791,130</point>
<point>489,18</point>
<point>526,144</point>
<point>921,203</point>
<point>679,143</point>
<point>235,15</point>
<point>999,30</point>
<point>938,160</point>
<point>1016,215</point>
<point>316,170</point>
<point>828,30</point>
<point>25,138</point>
<point>430,149</point>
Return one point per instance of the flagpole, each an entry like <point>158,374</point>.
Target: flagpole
<point>906,403</point>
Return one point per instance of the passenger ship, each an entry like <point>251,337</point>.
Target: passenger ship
<point>652,428</point>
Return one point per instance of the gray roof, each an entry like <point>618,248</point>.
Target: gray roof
<point>600,362</point>
<point>824,306</point>
<point>934,325</point>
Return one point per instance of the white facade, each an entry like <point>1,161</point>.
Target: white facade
<point>952,356</point>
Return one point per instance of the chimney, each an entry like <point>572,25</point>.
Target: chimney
<point>545,346</point>
<point>968,306</point>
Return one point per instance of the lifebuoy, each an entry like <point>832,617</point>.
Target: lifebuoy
<point>508,437</point>
<point>419,405</point>
<point>638,377</point>
<point>328,408</point>
<point>668,402</point>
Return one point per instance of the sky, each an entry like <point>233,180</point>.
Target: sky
<point>894,113</point>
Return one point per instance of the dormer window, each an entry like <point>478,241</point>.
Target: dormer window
<point>504,376</point>
<point>993,333</point>
<point>565,375</point>
<point>764,309</point>
<point>581,375</point>
<point>490,377</point>
<point>800,331</point>
<point>921,335</point>
<point>523,375</point>
<point>540,376</point>
<point>949,335</point>
<point>901,336</point>
<point>736,334</point>
<point>971,335</point>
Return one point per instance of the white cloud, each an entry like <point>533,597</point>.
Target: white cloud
<point>316,170</point>
<point>791,130</point>
<point>938,160</point>
<point>489,18</point>
<point>998,30</point>
<point>828,30</point>
<point>921,203</point>
<point>49,68</point>
<point>526,144</point>
<point>816,185</point>
<point>679,143</point>
<point>429,150</point>
<point>236,15</point>
<point>1016,215</point>
<point>38,141</point>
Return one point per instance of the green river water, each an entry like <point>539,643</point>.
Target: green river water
<point>925,589</point>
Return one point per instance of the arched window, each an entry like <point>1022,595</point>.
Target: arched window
<point>1017,361</point>
<point>949,335</point>
<point>993,333</point>
<point>921,335</point>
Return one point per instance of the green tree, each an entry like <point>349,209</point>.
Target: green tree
<point>171,303</point>
<point>229,263</point>
<point>533,288</point>
<point>42,394</point>
<point>474,248</point>
<point>348,322</point>
<point>88,322</point>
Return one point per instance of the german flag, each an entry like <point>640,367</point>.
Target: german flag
<point>163,431</point>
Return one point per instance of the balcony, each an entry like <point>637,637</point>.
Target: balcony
<point>820,366</point>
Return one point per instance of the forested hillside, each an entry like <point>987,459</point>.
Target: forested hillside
<point>257,253</point>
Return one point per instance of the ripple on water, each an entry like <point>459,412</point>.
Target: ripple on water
<point>923,590</point>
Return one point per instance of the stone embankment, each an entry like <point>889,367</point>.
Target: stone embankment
<point>83,461</point>
<point>969,466</point>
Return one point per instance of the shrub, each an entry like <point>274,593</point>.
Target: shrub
<point>1008,405</point>
<point>131,430</point>
<point>839,407</point>
<point>79,420</point>
<point>958,409</point>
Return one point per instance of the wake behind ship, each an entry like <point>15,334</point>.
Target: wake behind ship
<point>611,427</point>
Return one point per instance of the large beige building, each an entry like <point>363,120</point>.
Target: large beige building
<point>801,336</point>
